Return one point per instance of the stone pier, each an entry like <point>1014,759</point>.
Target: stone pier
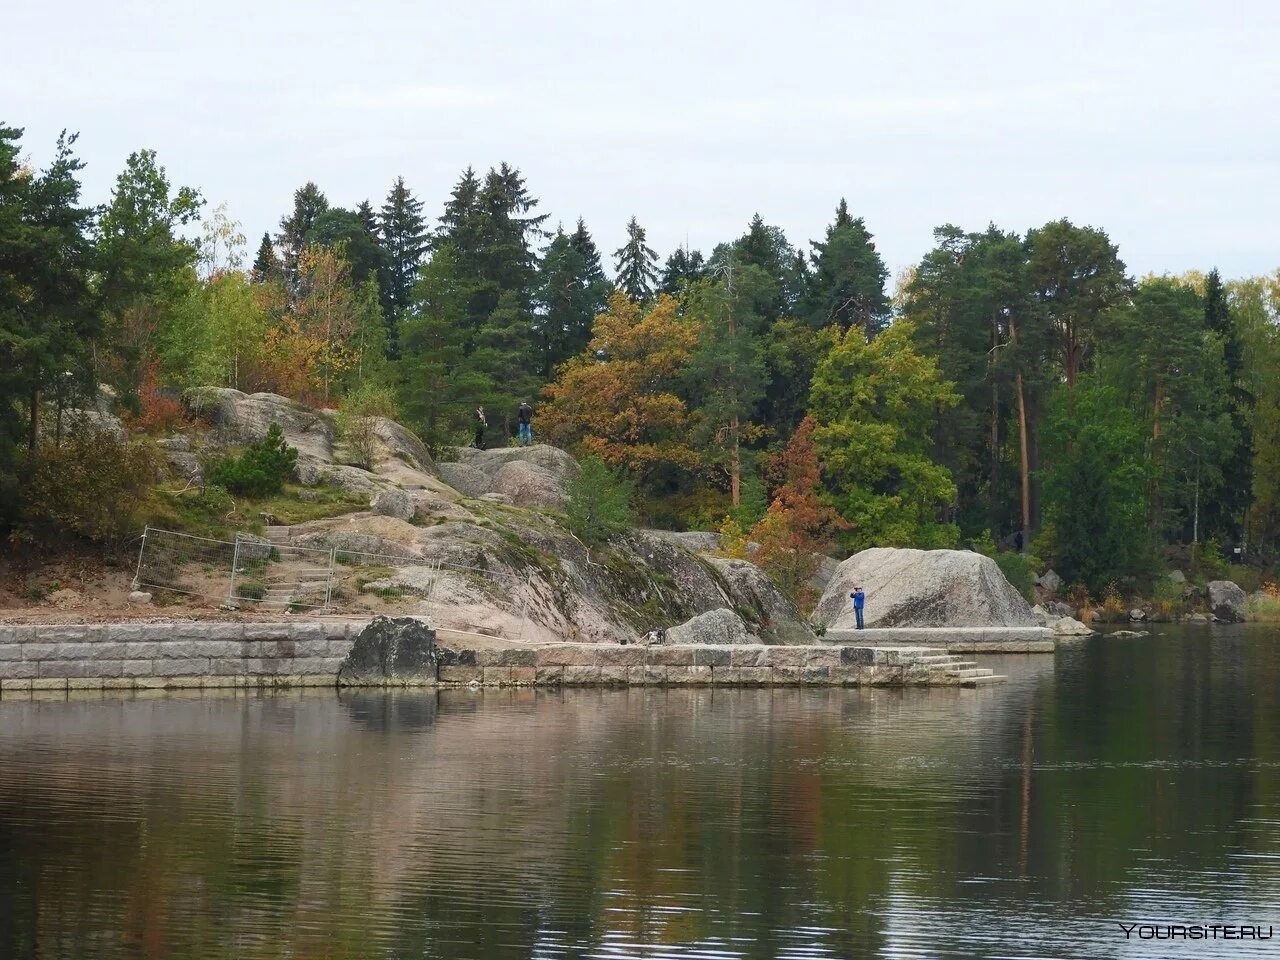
<point>194,655</point>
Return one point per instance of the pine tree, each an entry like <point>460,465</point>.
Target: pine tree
<point>266,265</point>
<point>847,285</point>
<point>404,238</point>
<point>439,387</point>
<point>48,315</point>
<point>308,204</point>
<point>338,226</point>
<point>146,265</point>
<point>637,264</point>
<point>727,373</point>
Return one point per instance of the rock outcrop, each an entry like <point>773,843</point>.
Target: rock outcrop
<point>777,620</point>
<point>715,627</point>
<point>1227,601</point>
<point>393,652</point>
<point>923,588</point>
<point>393,503</point>
<point>533,476</point>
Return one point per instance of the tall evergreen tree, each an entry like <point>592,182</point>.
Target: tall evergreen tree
<point>567,302</point>
<point>847,285</point>
<point>583,242</point>
<point>637,264</point>
<point>145,263</point>
<point>48,313</point>
<point>682,268</point>
<point>308,204</point>
<point>1077,276</point>
<point>266,265</point>
<point>404,238</point>
<point>1224,513</point>
<point>338,226</point>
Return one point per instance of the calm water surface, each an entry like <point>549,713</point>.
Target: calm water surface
<point>1122,780</point>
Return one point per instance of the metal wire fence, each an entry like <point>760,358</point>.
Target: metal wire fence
<point>271,574</point>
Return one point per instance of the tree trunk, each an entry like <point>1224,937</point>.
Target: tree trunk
<point>35,419</point>
<point>993,495</point>
<point>1024,456</point>
<point>735,464</point>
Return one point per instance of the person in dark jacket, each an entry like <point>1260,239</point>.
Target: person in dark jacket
<point>482,424</point>
<point>524,413</point>
<point>859,599</point>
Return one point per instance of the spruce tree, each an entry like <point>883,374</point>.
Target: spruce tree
<point>567,302</point>
<point>266,265</point>
<point>847,286</point>
<point>1225,512</point>
<point>681,269</point>
<point>404,238</point>
<point>637,264</point>
<point>308,204</point>
<point>593,272</point>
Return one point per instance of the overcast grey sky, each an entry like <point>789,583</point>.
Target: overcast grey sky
<point>1155,121</point>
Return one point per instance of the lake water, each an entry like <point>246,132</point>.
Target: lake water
<point>1122,781</point>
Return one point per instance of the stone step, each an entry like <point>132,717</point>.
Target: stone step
<point>972,673</point>
<point>983,681</point>
<point>938,659</point>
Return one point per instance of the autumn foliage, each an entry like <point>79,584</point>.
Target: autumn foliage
<point>798,527</point>
<point>620,399</point>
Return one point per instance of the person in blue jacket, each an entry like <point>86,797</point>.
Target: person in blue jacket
<point>859,598</point>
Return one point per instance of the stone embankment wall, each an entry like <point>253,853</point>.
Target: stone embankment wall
<point>207,655</point>
<point>172,655</point>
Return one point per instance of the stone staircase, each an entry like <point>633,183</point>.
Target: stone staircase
<point>936,662</point>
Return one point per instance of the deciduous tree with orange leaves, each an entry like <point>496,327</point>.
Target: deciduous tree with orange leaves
<point>798,527</point>
<point>618,400</point>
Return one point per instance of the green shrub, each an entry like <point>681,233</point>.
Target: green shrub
<point>599,503</point>
<point>92,485</point>
<point>261,470</point>
<point>1019,571</point>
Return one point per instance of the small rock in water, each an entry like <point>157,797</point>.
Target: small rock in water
<point>1129,633</point>
<point>1137,615</point>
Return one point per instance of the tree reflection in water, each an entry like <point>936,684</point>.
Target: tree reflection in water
<point>1129,779</point>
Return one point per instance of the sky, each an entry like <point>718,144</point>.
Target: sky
<point>1154,121</point>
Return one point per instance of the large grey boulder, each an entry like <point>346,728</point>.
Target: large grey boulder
<point>1227,601</point>
<point>529,485</point>
<point>403,444</point>
<point>533,476</point>
<point>552,459</point>
<point>923,588</point>
<point>778,620</point>
<point>714,627</point>
<point>1049,581</point>
<point>246,417</point>
<point>313,472</point>
<point>392,651</point>
<point>1069,627</point>
<point>468,480</point>
<point>393,503</point>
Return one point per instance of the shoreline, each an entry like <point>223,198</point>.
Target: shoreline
<point>198,655</point>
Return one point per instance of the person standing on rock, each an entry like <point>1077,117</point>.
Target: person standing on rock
<point>524,413</point>
<point>482,423</point>
<point>859,599</point>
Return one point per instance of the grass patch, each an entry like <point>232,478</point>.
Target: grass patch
<point>189,512</point>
